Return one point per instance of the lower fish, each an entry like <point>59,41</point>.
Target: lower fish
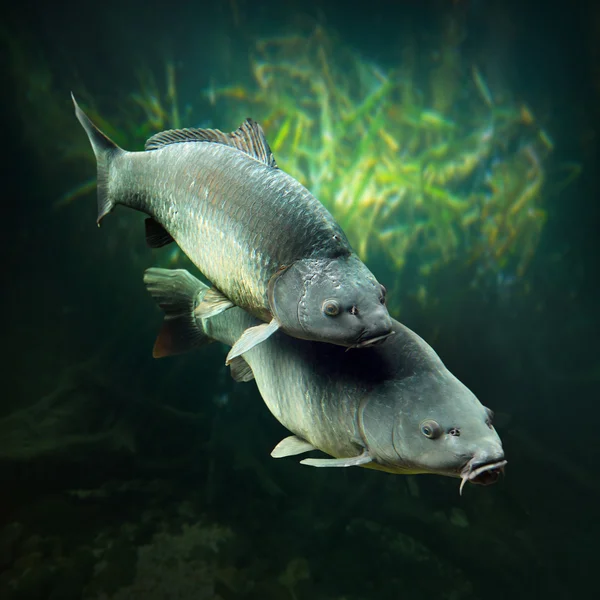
<point>393,407</point>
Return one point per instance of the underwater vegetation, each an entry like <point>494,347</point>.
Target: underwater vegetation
<point>419,160</point>
<point>434,140</point>
<point>422,164</point>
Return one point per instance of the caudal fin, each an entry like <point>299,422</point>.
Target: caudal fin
<point>177,293</point>
<point>105,150</point>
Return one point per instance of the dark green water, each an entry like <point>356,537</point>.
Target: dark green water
<point>126,477</point>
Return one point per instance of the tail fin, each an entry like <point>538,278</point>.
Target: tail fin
<point>177,293</point>
<point>105,150</point>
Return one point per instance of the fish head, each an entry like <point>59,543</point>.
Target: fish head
<point>338,301</point>
<point>432,423</point>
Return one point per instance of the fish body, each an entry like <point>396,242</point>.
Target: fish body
<point>234,217</point>
<point>263,240</point>
<point>392,407</point>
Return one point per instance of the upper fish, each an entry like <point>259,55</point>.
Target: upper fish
<point>394,406</point>
<point>258,235</point>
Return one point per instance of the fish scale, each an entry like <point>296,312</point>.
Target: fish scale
<point>219,205</point>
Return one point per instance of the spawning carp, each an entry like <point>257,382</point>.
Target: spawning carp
<point>394,407</point>
<point>262,239</point>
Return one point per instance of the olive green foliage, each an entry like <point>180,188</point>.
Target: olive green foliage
<point>423,165</point>
<point>411,162</point>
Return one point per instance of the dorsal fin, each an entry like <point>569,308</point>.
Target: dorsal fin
<point>248,137</point>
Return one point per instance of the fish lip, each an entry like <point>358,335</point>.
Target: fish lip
<point>372,341</point>
<point>483,473</point>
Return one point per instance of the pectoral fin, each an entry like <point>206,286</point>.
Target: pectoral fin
<point>251,337</point>
<point>290,446</point>
<point>240,370</point>
<point>354,461</point>
<point>213,303</point>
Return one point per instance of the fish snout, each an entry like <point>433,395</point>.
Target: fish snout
<point>378,329</point>
<point>484,468</point>
<point>489,455</point>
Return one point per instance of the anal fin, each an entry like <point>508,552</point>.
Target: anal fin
<point>352,461</point>
<point>156,235</point>
<point>251,337</point>
<point>213,303</point>
<point>290,446</point>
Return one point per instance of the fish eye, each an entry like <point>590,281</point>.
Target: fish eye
<point>431,429</point>
<point>331,308</point>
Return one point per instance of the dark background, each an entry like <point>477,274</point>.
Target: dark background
<point>75,316</point>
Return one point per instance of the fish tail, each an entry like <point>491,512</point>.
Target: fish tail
<point>178,293</point>
<point>106,151</point>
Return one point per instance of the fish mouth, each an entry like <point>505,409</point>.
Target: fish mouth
<point>481,473</point>
<point>362,343</point>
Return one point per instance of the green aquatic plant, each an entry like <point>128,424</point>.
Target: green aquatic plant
<point>423,164</point>
<point>416,163</point>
